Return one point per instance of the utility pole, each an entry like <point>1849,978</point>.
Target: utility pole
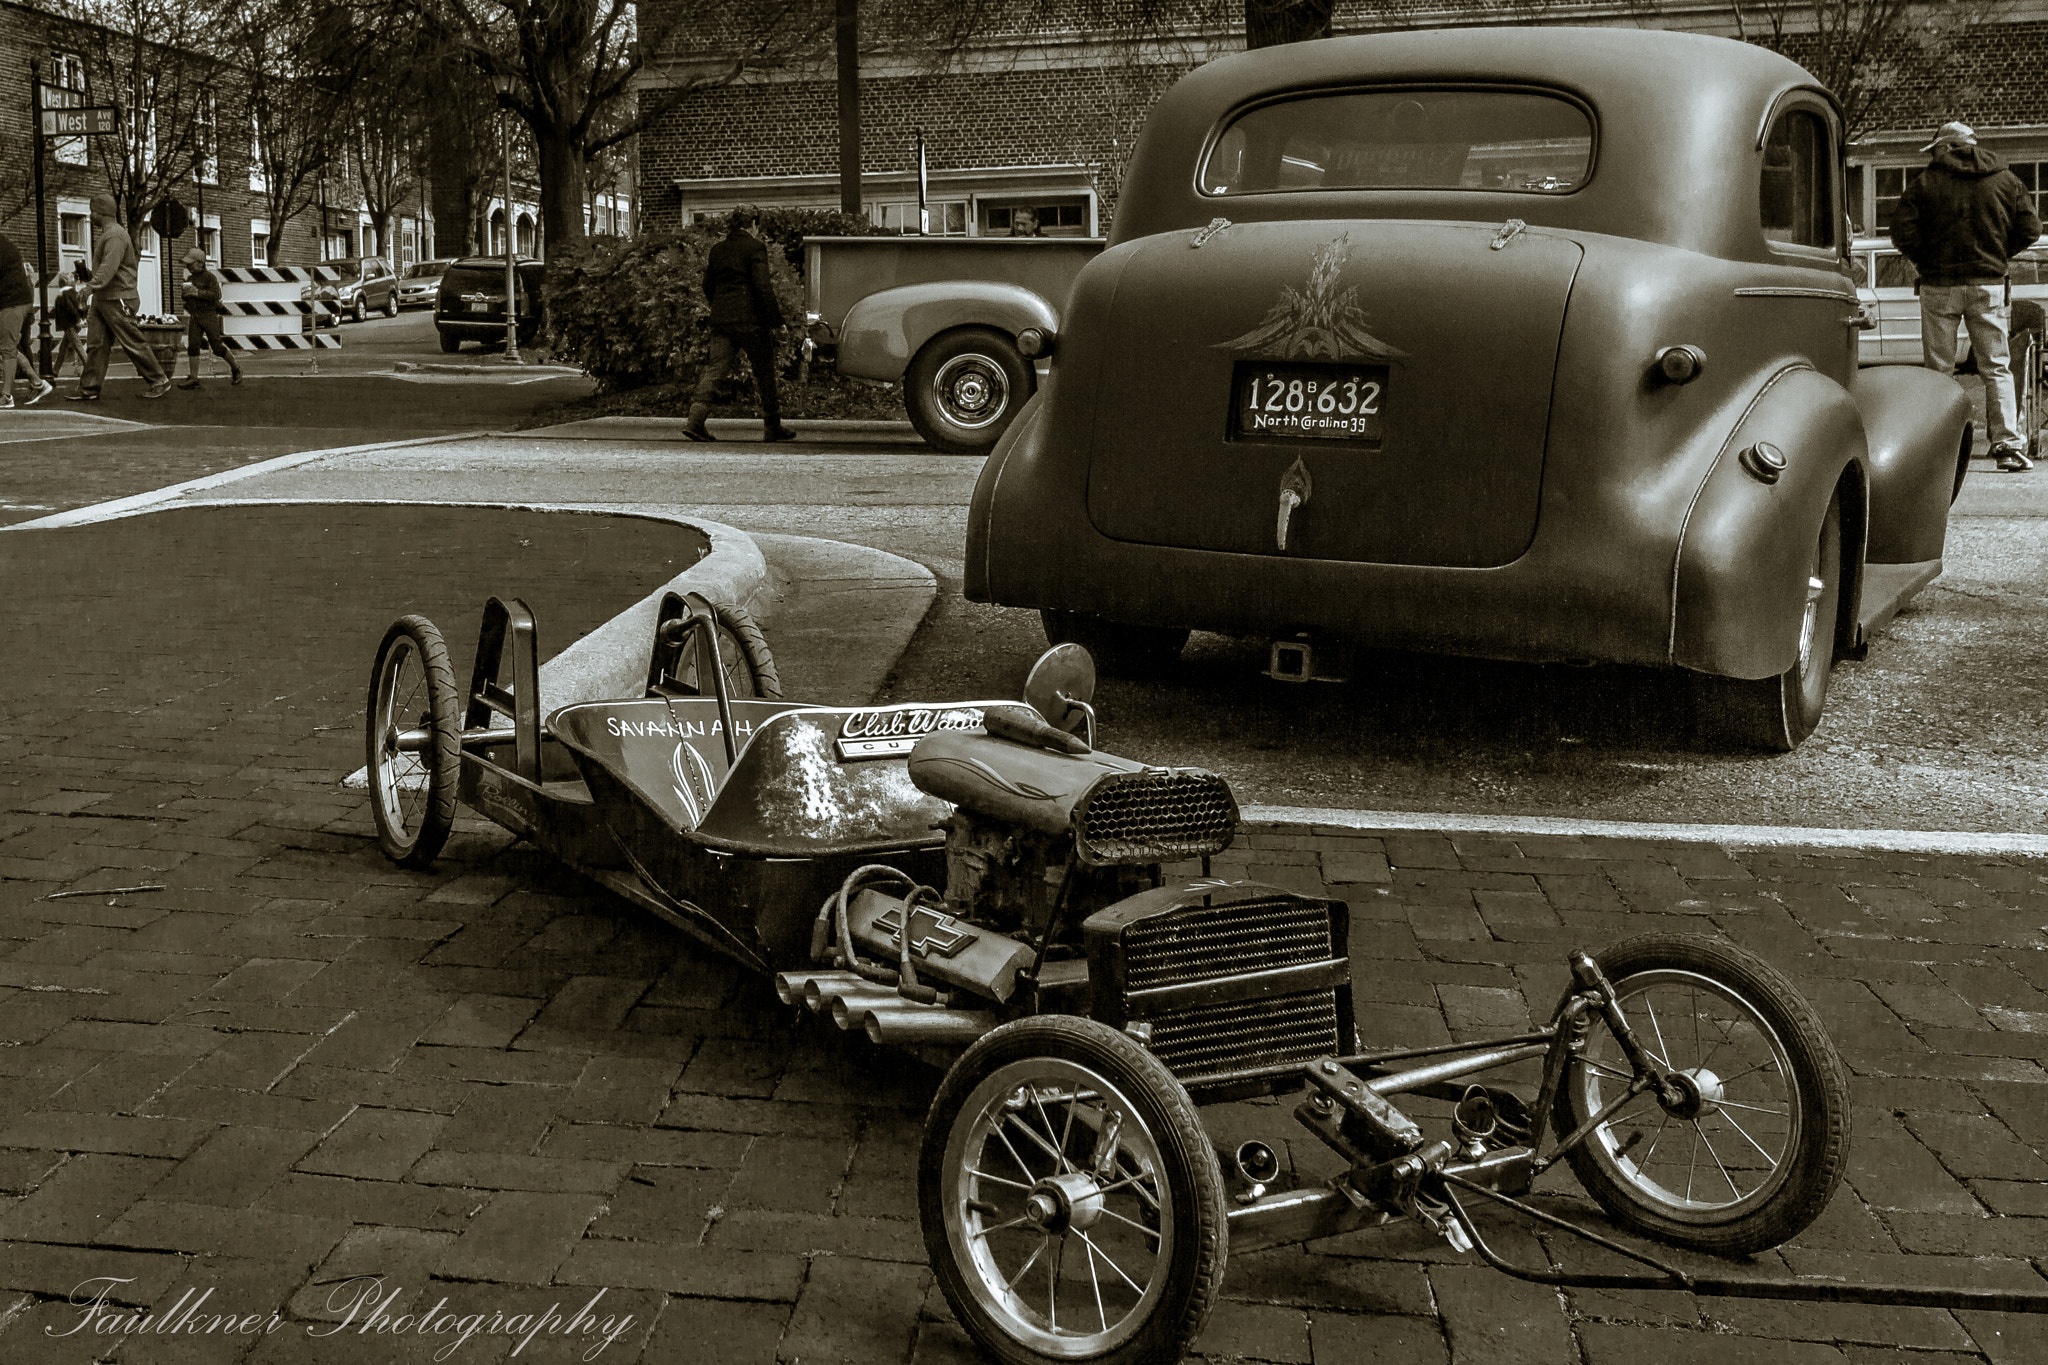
<point>847,32</point>
<point>35,100</point>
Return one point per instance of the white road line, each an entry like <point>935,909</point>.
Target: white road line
<point>123,507</point>
<point>1964,842</point>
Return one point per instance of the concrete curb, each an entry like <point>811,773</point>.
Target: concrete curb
<point>424,367</point>
<point>1317,820</point>
<point>175,493</point>
<point>671,428</point>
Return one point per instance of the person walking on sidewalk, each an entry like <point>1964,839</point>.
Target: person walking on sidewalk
<point>202,305</point>
<point>1959,222</point>
<point>112,307</point>
<point>17,297</point>
<point>744,317</point>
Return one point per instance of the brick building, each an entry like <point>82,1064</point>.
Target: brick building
<point>223,196</point>
<point>1045,113</point>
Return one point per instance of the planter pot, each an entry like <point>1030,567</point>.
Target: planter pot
<point>167,340</point>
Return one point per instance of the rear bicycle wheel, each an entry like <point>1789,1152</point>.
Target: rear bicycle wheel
<point>412,742</point>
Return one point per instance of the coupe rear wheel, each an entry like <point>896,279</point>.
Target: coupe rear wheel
<point>1117,648</point>
<point>412,742</point>
<point>391,304</point>
<point>1071,1202</point>
<point>964,388</point>
<point>1779,713</point>
<point>1752,1151</point>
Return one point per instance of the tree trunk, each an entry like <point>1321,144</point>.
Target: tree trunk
<point>1269,23</point>
<point>561,193</point>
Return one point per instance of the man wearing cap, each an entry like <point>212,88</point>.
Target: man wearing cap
<point>114,304</point>
<point>1959,222</point>
<point>203,331</point>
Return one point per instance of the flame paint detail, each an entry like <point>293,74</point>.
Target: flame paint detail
<point>1316,323</point>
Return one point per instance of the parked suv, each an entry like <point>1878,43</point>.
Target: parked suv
<point>421,284</point>
<point>471,305</point>
<point>366,282</point>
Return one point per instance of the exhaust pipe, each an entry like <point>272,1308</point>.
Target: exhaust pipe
<point>926,1024</point>
<point>791,987</point>
<point>849,1007</point>
<point>1251,1168</point>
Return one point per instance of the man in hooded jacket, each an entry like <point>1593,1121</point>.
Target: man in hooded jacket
<point>1959,222</point>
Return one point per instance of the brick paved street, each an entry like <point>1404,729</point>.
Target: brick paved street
<point>502,1092</point>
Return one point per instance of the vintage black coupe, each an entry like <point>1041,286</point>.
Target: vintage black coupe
<point>1532,344</point>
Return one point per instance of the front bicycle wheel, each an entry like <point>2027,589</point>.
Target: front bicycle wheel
<point>1752,1152</point>
<point>1072,1205</point>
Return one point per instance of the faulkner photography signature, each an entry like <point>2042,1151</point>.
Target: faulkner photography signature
<point>363,1305</point>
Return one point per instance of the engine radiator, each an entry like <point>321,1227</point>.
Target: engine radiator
<point>1227,983</point>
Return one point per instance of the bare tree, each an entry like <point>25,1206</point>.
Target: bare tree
<point>143,57</point>
<point>297,73</point>
<point>1865,51</point>
<point>386,136</point>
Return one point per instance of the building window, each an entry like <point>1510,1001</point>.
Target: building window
<point>949,216</point>
<point>74,231</point>
<point>259,241</point>
<point>257,179</point>
<point>145,240</point>
<point>206,167</point>
<point>66,90</point>
<point>1797,190</point>
<point>209,240</point>
<point>1890,183</point>
<point>1064,218</point>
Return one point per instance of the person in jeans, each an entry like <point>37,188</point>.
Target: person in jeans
<point>203,331</point>
<point>17,297</point>
<point>744,317</point>
<point>1959,222</point>
<point>112,309</point>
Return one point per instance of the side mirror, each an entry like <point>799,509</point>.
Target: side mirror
<point>1060,687</point>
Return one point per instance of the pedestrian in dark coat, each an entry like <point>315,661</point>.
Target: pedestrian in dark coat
<point>17,298</point>
<point>1959,222</point>
<point>744,317</point>
<point>67,315</point>
<point>203,329</point>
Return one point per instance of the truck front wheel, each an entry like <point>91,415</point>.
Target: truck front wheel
<point>963,389</point>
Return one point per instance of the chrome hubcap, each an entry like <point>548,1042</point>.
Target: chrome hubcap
<point>971,390</point>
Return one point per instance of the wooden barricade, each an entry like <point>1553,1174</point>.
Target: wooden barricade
<point>272,308</point>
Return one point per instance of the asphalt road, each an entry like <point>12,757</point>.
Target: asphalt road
<point>1940,727</point>
<point>62,454</point>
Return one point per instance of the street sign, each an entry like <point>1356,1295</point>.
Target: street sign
<point>170,219</point>
<point>75,122</point>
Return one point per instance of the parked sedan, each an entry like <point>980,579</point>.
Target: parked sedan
<point>471,303</point>
<point>421,283</point>
<point>1530,343</point>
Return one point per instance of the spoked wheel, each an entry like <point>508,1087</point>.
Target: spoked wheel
<point>412,738</point>
<point>1753,1152</point>
<point>1778,713</point>
<point>1072,1205</point>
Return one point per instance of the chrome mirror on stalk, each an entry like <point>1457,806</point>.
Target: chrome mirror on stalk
<point>1060,687</point>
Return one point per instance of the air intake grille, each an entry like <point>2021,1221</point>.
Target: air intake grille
<point>1155,816</point>
<point>1280,1030</point>
<point>1226,940</point>
<point>1210,943</point>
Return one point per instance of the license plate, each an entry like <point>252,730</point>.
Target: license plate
<point>479,308</point>
<point>1328,402</point>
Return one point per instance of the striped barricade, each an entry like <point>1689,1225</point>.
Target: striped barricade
<point>271,308</point>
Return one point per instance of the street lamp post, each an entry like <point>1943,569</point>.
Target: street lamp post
<point>505,84</point>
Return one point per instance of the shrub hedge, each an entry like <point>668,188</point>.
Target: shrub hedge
<point>632,311</point>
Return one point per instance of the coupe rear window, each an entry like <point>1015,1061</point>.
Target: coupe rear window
<point>1498,140</point>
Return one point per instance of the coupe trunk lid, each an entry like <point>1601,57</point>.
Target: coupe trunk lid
<point>1425,349</point>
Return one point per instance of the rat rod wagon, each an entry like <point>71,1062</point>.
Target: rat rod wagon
<point>977,877</point>
<point>1533,344</point>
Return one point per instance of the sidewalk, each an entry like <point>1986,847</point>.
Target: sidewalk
<point>294,1064</point>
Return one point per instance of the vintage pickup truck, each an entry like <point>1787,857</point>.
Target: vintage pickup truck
<point>956,319</point>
